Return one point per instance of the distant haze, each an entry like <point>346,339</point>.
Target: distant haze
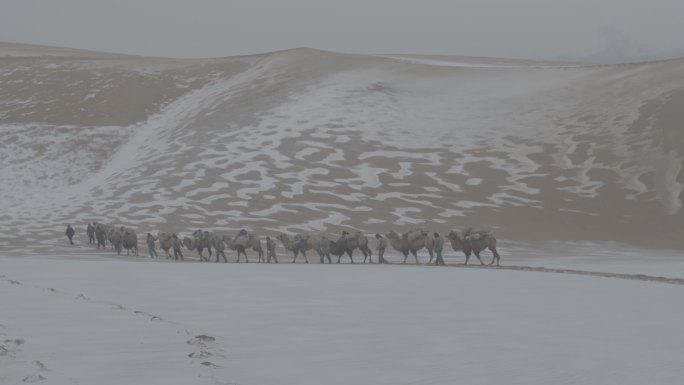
<point>590,30</point>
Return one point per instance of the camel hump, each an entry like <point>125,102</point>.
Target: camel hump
<point>241,240</point>
<point>471,235</point>
<point>413,235</point>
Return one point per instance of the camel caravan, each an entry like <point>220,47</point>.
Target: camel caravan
<point>468,241</point>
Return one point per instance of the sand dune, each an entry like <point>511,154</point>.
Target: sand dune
<point>313,140</point>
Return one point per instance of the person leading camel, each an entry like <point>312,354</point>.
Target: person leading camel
<point>438,247</point>
<point>380,246</point>
<point>270,250</point>
<point>325,249</point>
<point>91,233</point>
<point>150,246</point>
<point>70,234</point>
<point>176,244</point>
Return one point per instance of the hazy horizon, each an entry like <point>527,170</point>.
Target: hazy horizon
<point>604,31</point>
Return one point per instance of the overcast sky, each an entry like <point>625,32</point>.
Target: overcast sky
<point>550,29</point>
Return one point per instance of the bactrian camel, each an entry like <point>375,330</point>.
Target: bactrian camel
<point>200,240</point>
<point>347,243</point>
<point>243,242</point>
<point>474,241</point>
<point>301,243</point>
<point>411,242</point>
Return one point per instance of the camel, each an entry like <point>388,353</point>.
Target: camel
<point>347,243</point>
<point>411,242</point>
<point>339,248</point>
<point>165,243</point>
<point>300,244</point>
<point>200,240</point>
<point>475,242</point>
<point>244,241</point>
<point>123,238</point>
<point>129,241</point>
<point>305,242</point>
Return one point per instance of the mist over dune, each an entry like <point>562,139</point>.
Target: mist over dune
<point>313,140</point>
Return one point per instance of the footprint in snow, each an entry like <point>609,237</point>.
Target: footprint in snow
<point>33,378</point>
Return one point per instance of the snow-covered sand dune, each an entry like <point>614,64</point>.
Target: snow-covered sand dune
<point>311,140</point>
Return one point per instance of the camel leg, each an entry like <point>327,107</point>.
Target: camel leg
<point>415,255</point>
<point>349,253</point>
<point>306,260</point>
<point>224,257</point>
<point>495,257</point>
<point>405,256</point>
<point>338,258</point>
<point>329,260</point>
<point>477,254</point>
<point>367,254</point>
<point>295,256</point>
<point>431,256</point>
<point>246,258</point>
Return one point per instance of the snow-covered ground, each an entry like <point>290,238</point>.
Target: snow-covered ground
<point>85,321</point>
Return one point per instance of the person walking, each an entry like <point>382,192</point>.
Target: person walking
<point>70,234</point>
<point>177,245</point>
<point>439,246</point>
<point>380,246</point>
<point>270,250</point>
<point>91,233</point>
<point>325,249</point>
<point>150,246</point>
